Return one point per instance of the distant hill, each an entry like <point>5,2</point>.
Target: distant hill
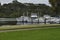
<point>17,9</point>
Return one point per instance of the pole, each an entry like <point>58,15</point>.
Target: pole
<point>23,18</point>
<point>38,15</point>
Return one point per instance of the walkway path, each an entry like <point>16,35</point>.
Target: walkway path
<point>25,29</point>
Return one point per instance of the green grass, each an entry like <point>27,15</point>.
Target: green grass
<point>40,34</point>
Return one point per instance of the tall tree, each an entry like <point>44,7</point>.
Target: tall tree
<point>55,6</point>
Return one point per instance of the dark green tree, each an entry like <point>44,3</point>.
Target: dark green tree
<point>55,6</point>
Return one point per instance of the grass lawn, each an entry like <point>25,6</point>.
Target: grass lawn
<point>40,34</point>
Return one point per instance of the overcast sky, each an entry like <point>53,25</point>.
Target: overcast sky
<point>27,1</point>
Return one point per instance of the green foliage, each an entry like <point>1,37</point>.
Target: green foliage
<point>53,2</point>
<point>16,9</point>
<point>55,6</point>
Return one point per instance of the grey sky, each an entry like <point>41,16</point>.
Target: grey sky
<point>28,1</point>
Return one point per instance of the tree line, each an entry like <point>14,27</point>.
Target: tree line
<point>55,5</point>
<point>17,9</point>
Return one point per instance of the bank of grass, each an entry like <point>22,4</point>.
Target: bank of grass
<point>9,27</point>
<point>40,34</point>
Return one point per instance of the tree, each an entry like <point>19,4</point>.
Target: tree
<point>55,6</point>
<point>16,9</point>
